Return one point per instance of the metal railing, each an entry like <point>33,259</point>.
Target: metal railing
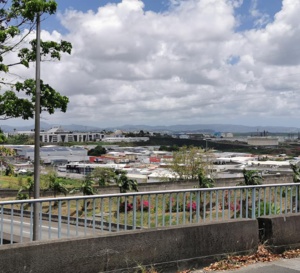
<point>77,216</point>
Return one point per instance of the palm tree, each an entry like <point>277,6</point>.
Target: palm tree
<point>296,172</point>
<point>251,178</point>
<point>28,187</point>
<point>296,179</point>
<point>204,182</point>
<point>87,189</point>
<point>125,184</point>
<point>87,186</point>
<point>58,187</point>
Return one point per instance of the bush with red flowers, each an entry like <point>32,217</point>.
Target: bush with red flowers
<point>123,206</point>
<point>191,206</point>
<point>144,205</point>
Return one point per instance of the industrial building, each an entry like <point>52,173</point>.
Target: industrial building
<point>262,141</point>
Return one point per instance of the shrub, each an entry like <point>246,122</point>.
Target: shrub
<point>191,206</point>
<point>143,206</point>
<point>122,207</point>
<point>236,206</point>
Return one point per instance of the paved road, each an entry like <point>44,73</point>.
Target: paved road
<point>22,229</point>
<point>278,266</point>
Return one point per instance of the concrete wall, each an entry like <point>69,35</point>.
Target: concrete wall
<point>280,232</point>
<point>168,249</point>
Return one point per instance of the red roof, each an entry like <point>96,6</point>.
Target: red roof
<point>154,160</point>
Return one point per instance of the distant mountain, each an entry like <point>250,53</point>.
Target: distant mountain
<point>224,128</point>
<point>195,128</point>
<point>46,126</point>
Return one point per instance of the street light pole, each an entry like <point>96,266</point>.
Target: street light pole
<point>37,132</point>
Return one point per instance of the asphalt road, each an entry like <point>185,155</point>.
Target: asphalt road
<point>22,230</point>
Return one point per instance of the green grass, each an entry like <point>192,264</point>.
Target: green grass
<point>16,182</point>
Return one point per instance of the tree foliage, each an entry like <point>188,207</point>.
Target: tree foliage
<point>20,139</point>
<point>103,175</point>
<point>97,151</point>
<point>188,161</point>
<point>204,180</point>
<point>173,148</point>
<point>2,136</point>
<point>18,20</point>
<point>87,186</point>
<point>296,172</point>
<point>56,184</point>
<point>252,178</point>
<point>124,183</point>
<point>29,187</point>
<point>6,151</point>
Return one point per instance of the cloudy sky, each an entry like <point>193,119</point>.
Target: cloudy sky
<point>166,62</point>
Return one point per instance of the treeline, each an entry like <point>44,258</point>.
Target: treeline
<point>173,143</point>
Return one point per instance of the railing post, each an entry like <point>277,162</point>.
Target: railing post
<point>134,213</point>
<point>253,203</point>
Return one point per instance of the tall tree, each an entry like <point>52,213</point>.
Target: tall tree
<point>188,161</point>
<point>17,21</point>
<point>97,151</point>
<point>103,175</point>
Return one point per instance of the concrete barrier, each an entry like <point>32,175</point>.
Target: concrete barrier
<point>280,232</point>
<point>167,249</point>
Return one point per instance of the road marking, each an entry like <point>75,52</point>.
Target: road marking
<point>25,223</point>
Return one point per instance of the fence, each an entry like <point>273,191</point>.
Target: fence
<point>77,216</point>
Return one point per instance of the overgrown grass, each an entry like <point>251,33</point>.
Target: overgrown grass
<point>11,182</point>
<point>16,182</point>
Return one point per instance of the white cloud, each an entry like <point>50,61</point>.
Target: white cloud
<point>186,65</point>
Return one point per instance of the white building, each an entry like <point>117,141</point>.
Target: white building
<point>53,154</point>
<point>262,141</point>
<point>57,134</point>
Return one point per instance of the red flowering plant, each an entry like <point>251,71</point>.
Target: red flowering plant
<point>128,206</point>
<point>236,206</point>
<point>144,205</point>
<point>191,206</point>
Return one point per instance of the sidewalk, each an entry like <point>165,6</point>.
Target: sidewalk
<point>278,266</point>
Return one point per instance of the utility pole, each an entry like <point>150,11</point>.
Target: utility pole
<point>37,131</point>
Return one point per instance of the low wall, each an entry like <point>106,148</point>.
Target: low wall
<point>280,232</point>
<point>167,249</point>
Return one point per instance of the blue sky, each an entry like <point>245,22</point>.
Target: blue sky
<point>270,7</point>
<point>84,5</point>
<point>243,13</point>
<point>176,62</point>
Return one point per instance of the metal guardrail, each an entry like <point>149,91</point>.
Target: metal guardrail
<point>78,216</point>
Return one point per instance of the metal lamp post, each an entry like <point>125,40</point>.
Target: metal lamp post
<point>37,132</point>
